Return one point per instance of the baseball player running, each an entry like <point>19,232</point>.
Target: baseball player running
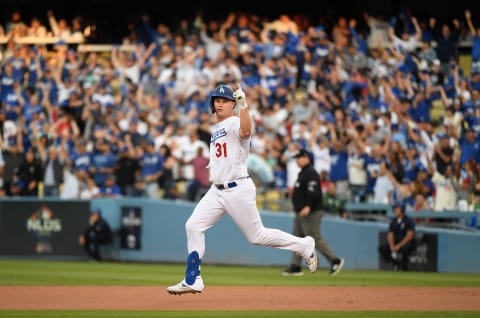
<point>232,192</point>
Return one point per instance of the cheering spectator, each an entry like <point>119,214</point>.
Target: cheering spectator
<point>109,189</point>
<point>152,169</point>
<point>384,188</point>
<point>407,42</point>
<point>446,187</point>
<point>126,171</point>
<point>446,40</point>
<point>36,28</point>
<point>53,164</point>
<point>103,161</point>
<point>30,174</point>
<point>475,32</point>
<point>167,180</point>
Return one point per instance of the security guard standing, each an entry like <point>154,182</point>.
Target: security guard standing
<point>307,204</point>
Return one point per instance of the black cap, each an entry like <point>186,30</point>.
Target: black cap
<point>399,205</point>
<point>301,153</point>
<point>95,210</point>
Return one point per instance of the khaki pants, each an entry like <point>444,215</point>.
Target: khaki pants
<point>310,226</point>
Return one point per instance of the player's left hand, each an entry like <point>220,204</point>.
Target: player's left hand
<point>239,95</point>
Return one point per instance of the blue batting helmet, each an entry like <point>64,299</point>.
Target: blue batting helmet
<point>223,91</point>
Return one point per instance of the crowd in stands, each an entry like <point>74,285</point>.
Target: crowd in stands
<point>387,110</point>
<point>16,28</point>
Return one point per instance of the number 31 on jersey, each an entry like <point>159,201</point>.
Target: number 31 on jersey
<point>221,149</point>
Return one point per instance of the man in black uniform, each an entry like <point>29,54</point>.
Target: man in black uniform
<point>307,204</point>
<point>98,233</point>
<point>400,239</point>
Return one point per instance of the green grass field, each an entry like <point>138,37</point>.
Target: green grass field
<point>52,273</point>
<point>13,272</point>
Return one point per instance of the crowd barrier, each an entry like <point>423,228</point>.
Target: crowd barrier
<point>383,212</point>
<point>42,40</point>
<point>84,46</point>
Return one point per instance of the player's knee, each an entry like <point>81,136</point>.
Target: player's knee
<point>256,239</point>
<point>190,226</point>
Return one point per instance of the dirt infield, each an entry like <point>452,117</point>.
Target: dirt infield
<point>240,298</point>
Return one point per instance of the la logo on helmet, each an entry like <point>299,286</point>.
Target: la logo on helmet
<point>222,90</point>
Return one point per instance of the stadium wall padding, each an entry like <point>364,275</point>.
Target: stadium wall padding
<point>163,238</point>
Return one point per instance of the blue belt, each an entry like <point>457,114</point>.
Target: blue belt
<point>229,185</point>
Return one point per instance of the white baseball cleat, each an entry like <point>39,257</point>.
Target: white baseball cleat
<point>181,288</point>
<point>184,288</point>
<point>311,255</point>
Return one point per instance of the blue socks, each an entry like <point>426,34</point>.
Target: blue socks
<point>193,267</point>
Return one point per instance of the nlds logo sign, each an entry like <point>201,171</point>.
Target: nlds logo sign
<point>43,225</point>
<point>42,222</point>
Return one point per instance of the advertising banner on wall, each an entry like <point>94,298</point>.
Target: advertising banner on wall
<point>42,227</point>
<point>131,228</point>
<point>425,256</point>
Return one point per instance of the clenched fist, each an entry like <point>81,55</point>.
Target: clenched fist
<point>239,95</point>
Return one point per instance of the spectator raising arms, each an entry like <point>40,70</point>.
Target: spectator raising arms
<point>354,103</point>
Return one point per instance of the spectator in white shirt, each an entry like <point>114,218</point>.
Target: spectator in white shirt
<point>446,188</point>
<point>60,28</point>
<point>384,188</point>
<point>406,42</point>
<point>36,28</point>
<point>189,151</point>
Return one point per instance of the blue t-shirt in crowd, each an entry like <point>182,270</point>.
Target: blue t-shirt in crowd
<point>338,168</point>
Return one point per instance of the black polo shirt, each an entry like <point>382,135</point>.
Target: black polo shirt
<point>400,227</point>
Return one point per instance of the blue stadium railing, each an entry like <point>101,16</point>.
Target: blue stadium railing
<point>454,218</point>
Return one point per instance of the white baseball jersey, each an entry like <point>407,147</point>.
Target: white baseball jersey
<point>228,152</point>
